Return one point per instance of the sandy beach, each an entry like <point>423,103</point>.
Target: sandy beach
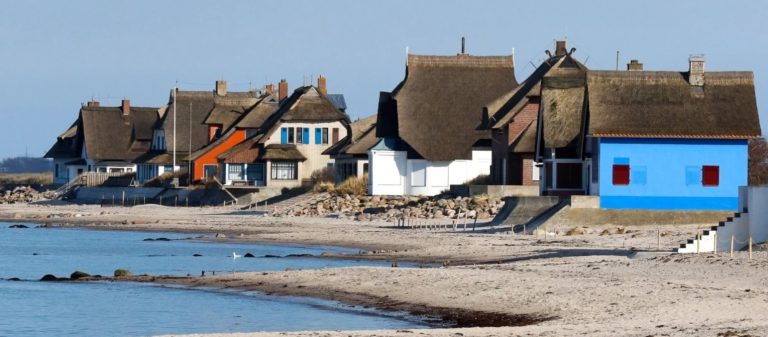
<point>604,280</point>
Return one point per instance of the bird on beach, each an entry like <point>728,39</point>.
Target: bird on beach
<point>235,255</point>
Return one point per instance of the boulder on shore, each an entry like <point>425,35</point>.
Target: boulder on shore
<point>78,275</point>
<point>49,277</point>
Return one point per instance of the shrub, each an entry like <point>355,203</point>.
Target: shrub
<point>324,187</point>
<point>323,175</point>
<point>482,179</point>
<point>354,185</point>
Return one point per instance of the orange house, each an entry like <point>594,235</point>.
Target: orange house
<point>229,125</point>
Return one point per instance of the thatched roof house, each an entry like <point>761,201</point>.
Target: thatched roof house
<point>437,108</point>
<point>362,137</point>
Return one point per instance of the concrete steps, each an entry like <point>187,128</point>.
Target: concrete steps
<point>718,238</point>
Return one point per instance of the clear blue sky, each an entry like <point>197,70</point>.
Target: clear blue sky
<point>54,55</point>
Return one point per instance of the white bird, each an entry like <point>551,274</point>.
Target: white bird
<point>235,255</point>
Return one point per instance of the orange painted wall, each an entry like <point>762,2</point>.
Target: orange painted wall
<point>209,158</point>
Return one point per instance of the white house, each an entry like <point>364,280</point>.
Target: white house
<point>429,126</point>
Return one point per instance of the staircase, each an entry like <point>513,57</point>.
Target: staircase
<point>735,228</point>
<point>64,190</point>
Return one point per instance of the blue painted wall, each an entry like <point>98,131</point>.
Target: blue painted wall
<point>665,173</point>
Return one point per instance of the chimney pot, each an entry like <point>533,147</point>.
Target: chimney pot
<point>321,87</point>
<point>696,70</point>
<point>126,107</point>
<point>221,88</point>
<point>634,65</point>
<point>282,89</point>
<point>560,48</point>
<point>270,89</point>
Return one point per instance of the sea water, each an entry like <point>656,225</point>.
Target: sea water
<point>32,308</point>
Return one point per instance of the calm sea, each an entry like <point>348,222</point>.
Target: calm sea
<point>31,308</point>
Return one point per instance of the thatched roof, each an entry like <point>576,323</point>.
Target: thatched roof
<point>225,115</point>
<point>67,144</point>
<point>192,110</point>
<point>108,134</point>
<point>259,113</point>
<point>361,138</point>
<point>154,157</point>
<point>562,102</point>
<point>282,152</point>
<point>307,104</point>
<point>664,104</point>
<point>439,105</point>
<point>526,143</point>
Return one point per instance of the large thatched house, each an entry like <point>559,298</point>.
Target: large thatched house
<point>103,139</point>
<point>648,139</point>
<point>513,118</point>
<point>430,124</point>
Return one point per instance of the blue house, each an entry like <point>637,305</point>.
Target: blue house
<point>651,139</point>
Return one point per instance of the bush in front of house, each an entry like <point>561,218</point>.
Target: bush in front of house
<point>354,186</point>
<point>323,175</point>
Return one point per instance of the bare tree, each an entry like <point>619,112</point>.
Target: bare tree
<point>758,162</point>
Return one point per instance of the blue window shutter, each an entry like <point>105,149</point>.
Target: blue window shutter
<point>318,136</point>
<point>305,131</point>
<point>283,136</point>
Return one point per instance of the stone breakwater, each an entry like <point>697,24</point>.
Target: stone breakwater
<point>23,194</point>
<point>364,208</point>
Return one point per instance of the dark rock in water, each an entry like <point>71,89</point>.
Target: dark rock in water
<point>120,272</point>
<point>249,255</point>
<point>78,274</point>
<point>272,256</point>
<point>299,255</point>
<point>149,239</point>
<point>14,279</point>
<point>162,239</point>
<point>49,277</point>
<point>35,254</point>
<point>18,226</point>
<point>197,255</point>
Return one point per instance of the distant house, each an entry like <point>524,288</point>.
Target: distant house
<point>183,129</point>
<point>430,125</point>
<point>513,119</point>
<point>103,139</point>
<point>648,139</point>
<point>289,146</point>
<point>351,153</point>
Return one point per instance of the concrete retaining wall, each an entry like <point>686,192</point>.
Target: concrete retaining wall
<point>97,195</point>
<point>496,190</point>
<point>585,201</point>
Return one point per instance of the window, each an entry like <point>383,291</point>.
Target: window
<point>56,169</point>
<point>167,168</point>
<point>235,172</point>
<point>365,168</point>
<point>284,170</point>
<point>251,132</point>
<point>639,175</point>
<point>325,135</point>
<point>335,136</point>
<point>299,136</point>
<point>291,138</point>
<point>209,171</point>
<point>318,136</point>
<point>621,174</point>
<point>710,175</point>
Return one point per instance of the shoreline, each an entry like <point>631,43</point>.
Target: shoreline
<point>579,276</point>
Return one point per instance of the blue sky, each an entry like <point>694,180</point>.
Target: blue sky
<point>57,54</point>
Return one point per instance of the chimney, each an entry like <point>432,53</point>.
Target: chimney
<point>321,85</point>
<point>560,48</point>
<point>462,45</point>
<point>93,103</point>
<point>126,107</point>
<point>221,88</point>
<point>634,65</point>
<point>282,90</point>
<point>696,70</point>
<point>270,89</point>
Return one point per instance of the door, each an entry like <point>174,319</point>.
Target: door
<point>335,138</point>
<point>209,171</point>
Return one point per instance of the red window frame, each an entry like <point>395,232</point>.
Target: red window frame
<point>620,174</point>
<point>710,175</point>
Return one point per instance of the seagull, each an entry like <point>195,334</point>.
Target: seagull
<point>235,256</point>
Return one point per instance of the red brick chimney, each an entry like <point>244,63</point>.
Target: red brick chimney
<point>126,107</point>
<point>282,90</point>
<point>321,85</point>
<point>270,89</point>
<point>560,48</point>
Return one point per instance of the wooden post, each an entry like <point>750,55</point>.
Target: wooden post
<point>750,247</point>
<point>524,229</point>
<point>658,239</point>
<point>731,245</point>
<point>176,201</point>
<point>454,225</point>
<point>474,223</point>
<point>698,243</point>
<point>122,203</point>
<point>465,221</point>
<point>161,200</point>
<point>187,201</point>
<point>113,200</point>
<point>145,199</point>
<point>714,239</point>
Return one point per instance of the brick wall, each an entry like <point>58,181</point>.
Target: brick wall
<point>528,170</point>
<point>523,118</point>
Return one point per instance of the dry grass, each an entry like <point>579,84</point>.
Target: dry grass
<point>354,186</point>
<point>324,187</point>
<point>323,175</point>
<point>44,178</point>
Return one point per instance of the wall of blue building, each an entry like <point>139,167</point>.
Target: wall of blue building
<point>666,173</point>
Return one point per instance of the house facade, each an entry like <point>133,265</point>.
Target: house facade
<point>429,127</point>
<point>290,145</point>
<point>350,155</point>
